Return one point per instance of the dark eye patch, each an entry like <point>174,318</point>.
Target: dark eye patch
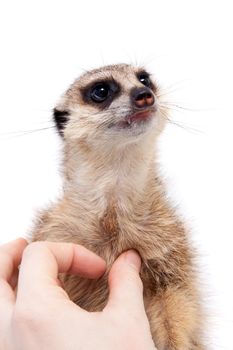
<point>144,78</point>
<point>101,93</point>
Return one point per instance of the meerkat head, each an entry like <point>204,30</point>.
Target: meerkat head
<point>117,105</point>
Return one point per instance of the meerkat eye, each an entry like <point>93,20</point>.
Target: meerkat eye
<point>100,92</point>
<point>144,79</point>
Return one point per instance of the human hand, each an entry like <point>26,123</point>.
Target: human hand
<point>40,315</point>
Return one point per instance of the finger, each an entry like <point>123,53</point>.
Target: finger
<point>14,279</point>
<point>126,291</point>
<point>10,257</point>
<point>42,261</point>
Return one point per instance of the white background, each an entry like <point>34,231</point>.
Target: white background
<point>188,47</point>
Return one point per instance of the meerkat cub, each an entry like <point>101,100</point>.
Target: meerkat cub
<point>114,200</point>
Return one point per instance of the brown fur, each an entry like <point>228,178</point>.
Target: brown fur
<point>113,201</point>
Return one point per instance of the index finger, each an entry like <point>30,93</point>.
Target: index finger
<point>42,261</point>
<point>10,257</point>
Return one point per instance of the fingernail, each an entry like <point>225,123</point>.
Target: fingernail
<point>133,259</point>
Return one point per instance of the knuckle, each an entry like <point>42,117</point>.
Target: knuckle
<point>23,316</point>
<point>33,246</point>
<point>36,245</point>
<point>28,317</point>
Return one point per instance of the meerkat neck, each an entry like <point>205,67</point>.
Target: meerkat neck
<point>102,175</point>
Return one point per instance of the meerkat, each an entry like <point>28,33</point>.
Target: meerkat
<point>114,200</point>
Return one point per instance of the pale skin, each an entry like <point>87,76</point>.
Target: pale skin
<point>40,315</point>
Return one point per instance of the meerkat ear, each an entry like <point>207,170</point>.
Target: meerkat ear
<point>60,118</point>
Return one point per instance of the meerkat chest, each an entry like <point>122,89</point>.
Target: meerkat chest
<point>113,231</point>
<point>118,230</point>
<point>115,234</point>
<point>159,240</point>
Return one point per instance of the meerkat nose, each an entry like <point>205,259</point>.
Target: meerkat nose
<point>142,98</point>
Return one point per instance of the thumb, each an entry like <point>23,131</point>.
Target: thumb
<point>126,290</point>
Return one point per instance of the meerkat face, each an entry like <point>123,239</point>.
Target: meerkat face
<point>117,103</point>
